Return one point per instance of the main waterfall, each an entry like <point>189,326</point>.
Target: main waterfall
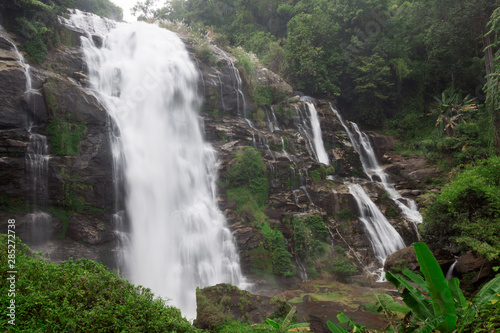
<point>178,239</point>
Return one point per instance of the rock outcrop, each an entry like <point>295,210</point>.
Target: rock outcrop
<point>48,101</point>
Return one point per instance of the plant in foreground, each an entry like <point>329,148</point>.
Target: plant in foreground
<point>435,303</point>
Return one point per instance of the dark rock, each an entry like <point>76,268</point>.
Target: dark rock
<point>403,258</point>
<point>67,61</point>
<point>468,263</point>
<point>381,143</point>
<point>89,230</point>
<point>224,302</point>
<point>12,76</point>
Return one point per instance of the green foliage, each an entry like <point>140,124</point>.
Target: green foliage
<point>453,110</point>
<point>447,309</point>
<point>285,325</point>
<point>343,319</point>
<point>344,214</point>
<point>321,173</point>
<point>233,326</point>
<point>340,265</point>
<point>246,166</point>
<point>81,295</point>
<point>263,96</point>
<point>65,136</point>
<point>282,264</point>
<point>309,236</point>
<point>467,207</point>
<point>35,21</point>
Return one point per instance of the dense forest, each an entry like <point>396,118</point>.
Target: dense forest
<point>384,62</point>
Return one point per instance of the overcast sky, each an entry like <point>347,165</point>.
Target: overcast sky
<point>126,6</point>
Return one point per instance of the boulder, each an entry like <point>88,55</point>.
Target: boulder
<point>406,257</point>
<point>224,302</point>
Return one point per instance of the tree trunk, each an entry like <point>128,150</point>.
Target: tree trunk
<point>488,56</point>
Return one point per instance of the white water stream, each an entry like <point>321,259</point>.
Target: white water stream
<point>319,147</point>
<point>362,145</point>
<point>383,237</point>
<point>178,238</point>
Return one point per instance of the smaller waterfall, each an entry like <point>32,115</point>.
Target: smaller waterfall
<point>302,269</point>
<point>362,145</point>
<point>319,148</point>
<point>305,131</point>
<point>383,237</point>
<point>37,162</point>
<point>237,84</point>
<point>449,274</point>
<point>410,210</point>
<point>272,123</point>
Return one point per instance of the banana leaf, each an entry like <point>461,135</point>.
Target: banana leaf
<point>415,278</point>
<point>487,292</point>
<point>456,293</point>
<point>412,297</point>
<point>334,328</point>
<point>437,287</point>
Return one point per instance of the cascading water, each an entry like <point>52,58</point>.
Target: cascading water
<point>319,147</point>
<point>383,237</point>
<point>178,237</point>
<point>362,145</point>
<point>237,84</point>
<point>37,163</point>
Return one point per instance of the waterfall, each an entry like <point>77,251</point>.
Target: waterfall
<point>37,164</point>
<point>371,166</point>
<point>449,273</point>
<point>319,148</point>
<point>237,84</point>
<point>178,239</point>
<point>383,237</point>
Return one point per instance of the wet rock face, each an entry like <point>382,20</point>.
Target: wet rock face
<point>13,79</point>
<point>80,179</point>
<point>298,184</point>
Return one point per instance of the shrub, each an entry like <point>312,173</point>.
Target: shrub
<point>467,212</point>
<point>81,296</point>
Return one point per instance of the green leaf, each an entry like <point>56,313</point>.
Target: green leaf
<point>273,323</point>
<point>417,279</point>
<point>411,296</point>
<point>456,293</point>
<point>431,325</point>
<point>437,287</point>
<point>334,328</point>
<point>488,291</point>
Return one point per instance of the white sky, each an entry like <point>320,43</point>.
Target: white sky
<point>126,6</point>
